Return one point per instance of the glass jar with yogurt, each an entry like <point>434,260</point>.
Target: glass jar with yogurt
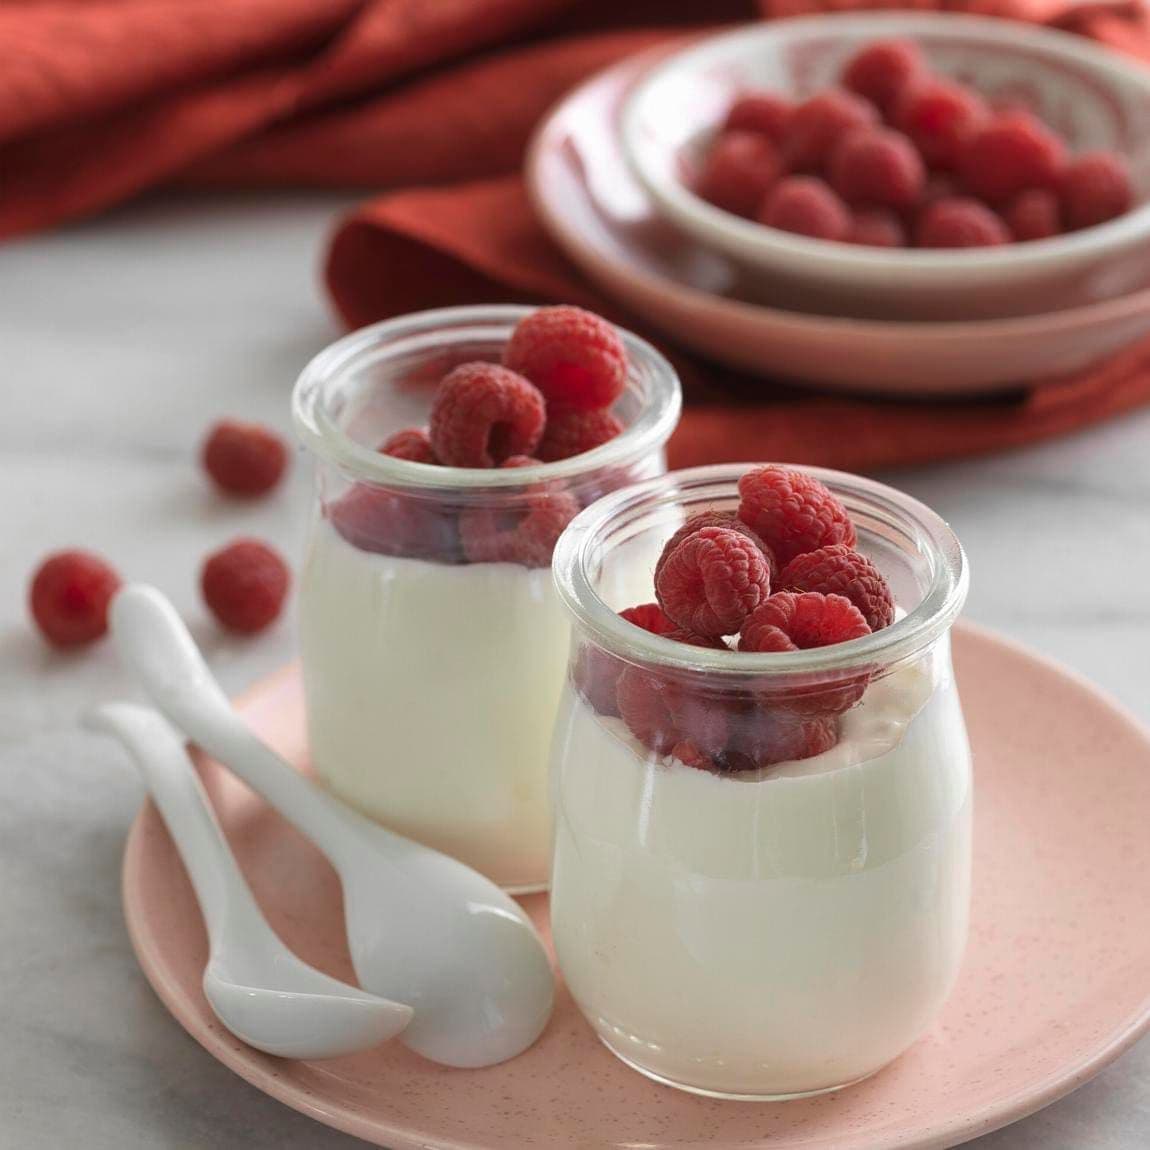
<point>433,670</point>
<point>762,931</point>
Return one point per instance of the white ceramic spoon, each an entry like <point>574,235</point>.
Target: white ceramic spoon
<point>422,928</point>
<point>259,990</point>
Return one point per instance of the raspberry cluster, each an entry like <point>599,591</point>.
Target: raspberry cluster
<point>897,156</point>
<point>781,574</point>
<point>550,399</point>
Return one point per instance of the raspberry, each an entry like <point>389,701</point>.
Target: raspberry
<point>817,124</point>
<point>806,206</point>
<point>1095,188</point>
<point>393,523</point>
<point>690,756</point>
<point>243,459</point>
<point>69,597</point>
<point>792,512</point>
<point>576,359</point>
<point>773,737</point>
<point>596,673</point>
<point>838,570</point>
<point>1009,154</point>
<point>650,617</point>
<point>642,701</point>
<point>1033,215</point>
<point>938,186</point>
<point>808,618</point>
<point>525,534</point>
<point>694,639</point>
<point>876,228</point>
<point>877,166</point>
<point>712,581</point>
<point>766,637</point>
<point>571,433</point>
<point>738,172</point>
<point>484,413</point>
<point>514,461</point>
<point>411,443</point>
<point>728,519</point>
<point>761,112</point>
<point>882,71</point>
<point>939,115</point>
<point>960,223</point>
<point>244,585</point>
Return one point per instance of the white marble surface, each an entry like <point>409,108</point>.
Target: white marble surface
<point>121,340</point>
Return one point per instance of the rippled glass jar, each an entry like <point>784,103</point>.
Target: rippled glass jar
<point>434,644</point>
<point>789,916</point>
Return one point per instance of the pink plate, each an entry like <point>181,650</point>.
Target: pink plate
<point>597,212</point>
<point>1056,981</point>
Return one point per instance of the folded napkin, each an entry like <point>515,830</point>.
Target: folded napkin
<point>102,99</point>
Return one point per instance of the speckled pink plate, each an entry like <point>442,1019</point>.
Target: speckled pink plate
<point>1056,981</point>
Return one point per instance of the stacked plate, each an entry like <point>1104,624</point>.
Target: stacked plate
<point>605,173</point>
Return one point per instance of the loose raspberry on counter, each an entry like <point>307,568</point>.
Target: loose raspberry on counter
<point>876,228</point>
<point>939,115</point>
<point>1095,188</point>
<point>575,358</point>
<point>596,672</point>
<point>839,570</point>
<point>244,585</point>
<point>571,433</point>
<point>69,597</point>
<point>762,112</point>
<point>412,444</point>
<point>1010,153</point>
<point>484,413</point>
<point>960,223</point>
<point>1033,215</point>
<point>882,71</point>
<point>393,523</point>
<point>806,206</point>
<point>243,459</point>
<point>877,166</point>
<point>738,171</point>
<point>525,533</point>
<point>728,519</point>
<point>792,512</point>
<point>712,581</point>
<point>818,124</point>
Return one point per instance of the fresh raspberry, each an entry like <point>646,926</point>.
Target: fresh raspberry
<point>1008,154</point>
<point>1033,215</point>
<point>766,738</point>
<point>792,512</point>
<point>642,700</point>
<point>575,358</point>
<point>882,71</point>
<point>712,581</point>
<point>525,534</point>
<point>514,461</point>
<point>808,618</point>
<point>690,756</point>
<point>806,206</point>
<point>876,228</point>
<point>650,617</point>
<point>960,223</point>
<point>762,112</point>
<point>694,639</point>
<point>938,186</point>
<point>412,443</point>
<point>766,638</point>
<point>1095,188</point>
<point>817,124</point>
<point>728,519</point>
<point>839,570</point>
<point>69,597</point>
<point>596,673</point>
<point>244,585</point>
<point>877,166</point>
<point>484,413</point>
<point>243,459</point>
<point>939,115</point>
<point>395,523</point>
<point>571,433</point>
<point>738,171</point>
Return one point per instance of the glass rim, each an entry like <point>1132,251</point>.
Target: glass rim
<point>932,616</point>
<point>321,434</point>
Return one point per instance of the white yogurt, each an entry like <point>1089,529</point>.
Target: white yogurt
<point>769,934</point>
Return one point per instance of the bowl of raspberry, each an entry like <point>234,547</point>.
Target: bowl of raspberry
<point>452,448</point>
<point>904,166</point>
<point>762,779</point>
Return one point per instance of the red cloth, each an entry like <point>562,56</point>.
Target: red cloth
<point>102,99</point>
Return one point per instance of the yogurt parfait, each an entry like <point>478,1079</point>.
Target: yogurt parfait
<point>761,778</point>
<point>453,447</point>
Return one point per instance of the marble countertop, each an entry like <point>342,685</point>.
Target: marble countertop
<point>121,341</point>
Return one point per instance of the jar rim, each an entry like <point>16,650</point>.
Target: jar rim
<point>319,431</point>
<point>931,617</point>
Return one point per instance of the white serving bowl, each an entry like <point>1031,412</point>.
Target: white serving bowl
<point>1095,98</point>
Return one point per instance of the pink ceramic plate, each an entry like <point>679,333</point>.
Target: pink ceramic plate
<point>600,216</point>
<point>1056,981</point>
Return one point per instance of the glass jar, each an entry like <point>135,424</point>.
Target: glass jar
<point>787,914</point>
<point>433,642</point>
